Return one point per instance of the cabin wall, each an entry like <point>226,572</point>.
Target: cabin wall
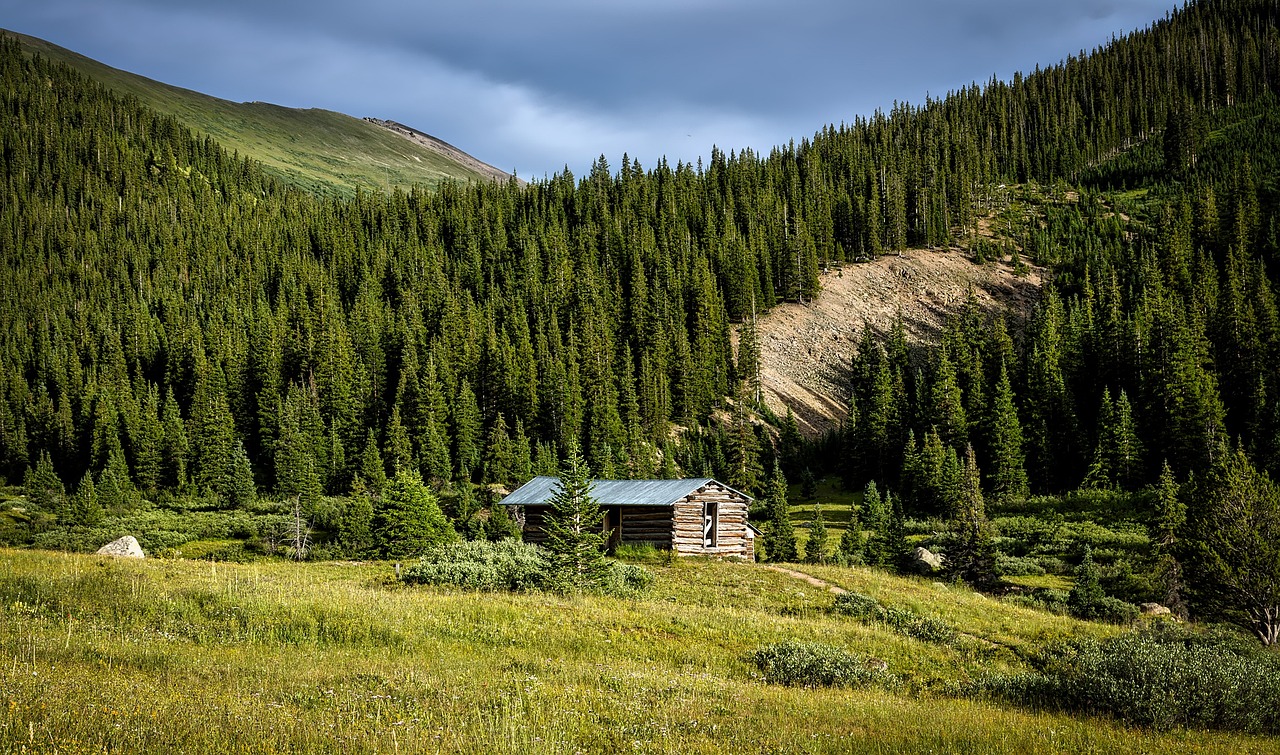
<point>643,525</point>
<point>732,536</point>
<point>639,524</point>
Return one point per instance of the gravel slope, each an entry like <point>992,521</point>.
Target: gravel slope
<point>805,349</point>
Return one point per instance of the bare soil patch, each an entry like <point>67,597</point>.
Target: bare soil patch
<point>806,348</point>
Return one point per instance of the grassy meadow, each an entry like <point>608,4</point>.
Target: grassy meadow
<point>98,654</point>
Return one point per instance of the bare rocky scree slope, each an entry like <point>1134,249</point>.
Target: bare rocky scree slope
<point>806,348</point>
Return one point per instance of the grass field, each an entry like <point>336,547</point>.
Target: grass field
<point>184,656</point>
<point>320,150</point>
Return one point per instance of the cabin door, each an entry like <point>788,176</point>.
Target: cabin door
<point>613,527</point>
<point>709,525</point>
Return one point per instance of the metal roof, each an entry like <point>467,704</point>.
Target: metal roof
<point>539,490</point>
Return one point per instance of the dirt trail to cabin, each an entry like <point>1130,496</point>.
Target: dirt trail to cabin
<point>819,583</point>
<point>837,590</point>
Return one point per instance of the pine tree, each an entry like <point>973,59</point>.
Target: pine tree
<point>1232,545</point>
<point>212,433</point>
<point>43,488</point>
<point>175,449</point>
<point>297,472</point>
<point>971,556</point>
<point>1087,594</point>
<point>1007,477</point>
<point>85,510</point>
<point>947,407</point>
<point>466,429</point>
<point>780,533</point>
<point>147,443</point>
<point>115,491</point>
<point>372,470</point>
<point>748,366</point>
<point>466,511</point>
<point>745,472</point>
<point>500,455</point>
<point>1170,516</point>
<point>408,520</point>
<point>236,488</point>
<point>573,525</point>
<point>852,546</point>
<point>815,548</point>
<point>355,525</point>
<point>398,446</point>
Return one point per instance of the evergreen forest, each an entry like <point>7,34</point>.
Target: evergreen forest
<point>183,332</point>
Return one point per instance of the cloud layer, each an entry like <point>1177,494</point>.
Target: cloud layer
<point>538,86</point>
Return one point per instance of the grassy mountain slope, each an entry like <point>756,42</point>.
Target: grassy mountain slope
<point>320,150</point>
<point>331,657</point>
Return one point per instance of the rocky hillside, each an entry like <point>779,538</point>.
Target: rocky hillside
<point>806,348</point>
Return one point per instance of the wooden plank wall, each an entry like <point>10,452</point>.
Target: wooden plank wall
<point>732,536</point>
<point>640,524</point>
<point>647,524</point>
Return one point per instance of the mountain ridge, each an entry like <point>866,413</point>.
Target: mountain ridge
<point>324,151</point>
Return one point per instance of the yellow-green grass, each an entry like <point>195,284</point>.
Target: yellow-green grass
<point>318,150</point>
<point>180,656</point>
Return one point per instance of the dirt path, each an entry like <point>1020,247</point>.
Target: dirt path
<point>806,348</point>
<point>819,583</point>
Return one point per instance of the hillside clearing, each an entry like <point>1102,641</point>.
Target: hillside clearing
<point>806,348</point>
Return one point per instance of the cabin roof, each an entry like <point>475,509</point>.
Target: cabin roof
<point>538,491</point>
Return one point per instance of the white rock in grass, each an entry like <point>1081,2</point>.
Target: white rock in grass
<point>125,547</point>
<point>924,561</point>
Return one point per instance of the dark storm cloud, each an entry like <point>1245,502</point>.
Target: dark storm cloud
<point>536,86</point>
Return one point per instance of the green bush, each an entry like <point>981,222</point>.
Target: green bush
<point>508,565</point>
<point>923,628</point>
<point>480,565</point>
<point>858,606</point>
<point>1015,566</point>
<point>813,664</point>
<point>626,579</point>
<point>1043,599</point>
<point>901,620</point>
<point>1115,611</point>
<point>1162,682</point>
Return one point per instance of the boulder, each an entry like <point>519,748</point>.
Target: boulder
<point>1155,609</point>
<point>923,561</point>
<point>125,547</point>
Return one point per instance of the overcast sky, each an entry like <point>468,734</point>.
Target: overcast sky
<point>538,85</point>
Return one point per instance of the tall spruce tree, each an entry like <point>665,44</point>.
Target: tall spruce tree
<point>971,555</point>
<point>1007,473</point>
<point>780,533</point>
<point>575,541</point>
<point>815,548</point>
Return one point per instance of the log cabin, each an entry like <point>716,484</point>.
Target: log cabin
<point>694,517</point>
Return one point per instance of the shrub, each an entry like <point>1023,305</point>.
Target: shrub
<point>923,628</point>
<point>626,579</point>
<point>813,664</point>
<point>509,565</point>
<point>900,620</point>
<point>1013,566</point>
<point>858,606</point>
<point>1162,682</point>
<point>1115,611</point>
<point>1044,599</point>
<point>480,565</point>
